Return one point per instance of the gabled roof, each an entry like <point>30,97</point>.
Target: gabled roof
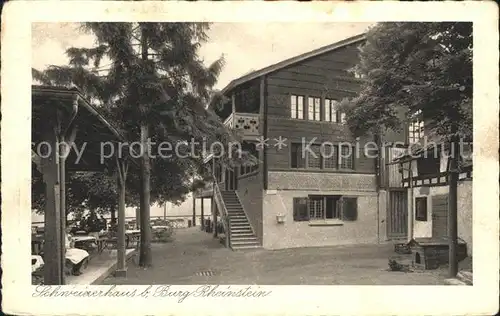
<point>288,62</point>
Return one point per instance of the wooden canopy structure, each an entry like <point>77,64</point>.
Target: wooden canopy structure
<point>61,118</point>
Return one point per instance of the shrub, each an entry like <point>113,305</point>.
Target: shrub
<point>164,234</point>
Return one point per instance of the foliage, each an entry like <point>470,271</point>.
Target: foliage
<point>153,86</point>
<point>415,66</point>
<point>164,234</point>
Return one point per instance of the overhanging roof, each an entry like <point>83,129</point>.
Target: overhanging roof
<point>70,94</point>
<point>291,61</point>
<point>93,127</point>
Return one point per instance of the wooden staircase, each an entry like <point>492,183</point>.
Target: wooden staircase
<point>241,235</point>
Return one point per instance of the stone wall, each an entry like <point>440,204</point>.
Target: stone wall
<point>292,234</point>
<point>250,194</point>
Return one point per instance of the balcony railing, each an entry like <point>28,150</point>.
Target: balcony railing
<point>245,123</point>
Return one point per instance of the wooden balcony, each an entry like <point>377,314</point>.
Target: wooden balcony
<point>246,124</point>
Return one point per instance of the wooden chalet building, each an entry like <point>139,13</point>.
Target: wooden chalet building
<point>295,200</point>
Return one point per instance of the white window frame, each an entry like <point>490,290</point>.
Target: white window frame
<point>316,207</point>
<point>314,108</point>
<point>297,106</point>
<point>330,107</point>
<point>416,128</point>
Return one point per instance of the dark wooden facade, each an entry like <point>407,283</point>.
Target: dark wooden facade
<point>326,76</point>
<point>267,94</point>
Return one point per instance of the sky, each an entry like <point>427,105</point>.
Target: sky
<point>245,47</point>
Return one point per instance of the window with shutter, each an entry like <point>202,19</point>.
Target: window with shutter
<point>323,207</point>
<point>349,208</point>
<point>421,209</point>
<point>300,210</point>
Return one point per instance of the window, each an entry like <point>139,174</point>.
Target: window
<point>314,161</point>
<point>346,157</point>
<point>317,208</point>
<point>314,105</point>
<point>421,209</point>
<point>416,128</point>
<point>428,166</point>
<point>297,106</point>
<point>324,207</point>
<point>330,157</point>
<point>297,159</point>
<point>331,110</point>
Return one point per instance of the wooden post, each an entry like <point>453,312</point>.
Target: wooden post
<point>202,224</point>
<point>214,217</point>
<point>62,203</point>
<point>54,261</point>
<point>194,211</point>
<point>121,269</point>
<point>63,148</point>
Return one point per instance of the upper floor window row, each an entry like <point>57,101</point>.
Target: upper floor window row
<point>333,157</point>
<point>318,109</point>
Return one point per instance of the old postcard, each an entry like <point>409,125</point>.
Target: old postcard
<point>250,158</point>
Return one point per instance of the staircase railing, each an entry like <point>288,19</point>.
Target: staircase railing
<point>224,214</point>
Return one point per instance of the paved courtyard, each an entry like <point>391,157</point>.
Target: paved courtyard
<point>194,257</point>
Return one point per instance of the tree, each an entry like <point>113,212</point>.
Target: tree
<point>420,68</point>
<point>156,87</point>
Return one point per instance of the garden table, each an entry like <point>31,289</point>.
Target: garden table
<point>133,235</point>
<point>86,243</point>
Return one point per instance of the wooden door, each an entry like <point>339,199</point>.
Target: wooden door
<point>397,214</point>
<point>439,216</point>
